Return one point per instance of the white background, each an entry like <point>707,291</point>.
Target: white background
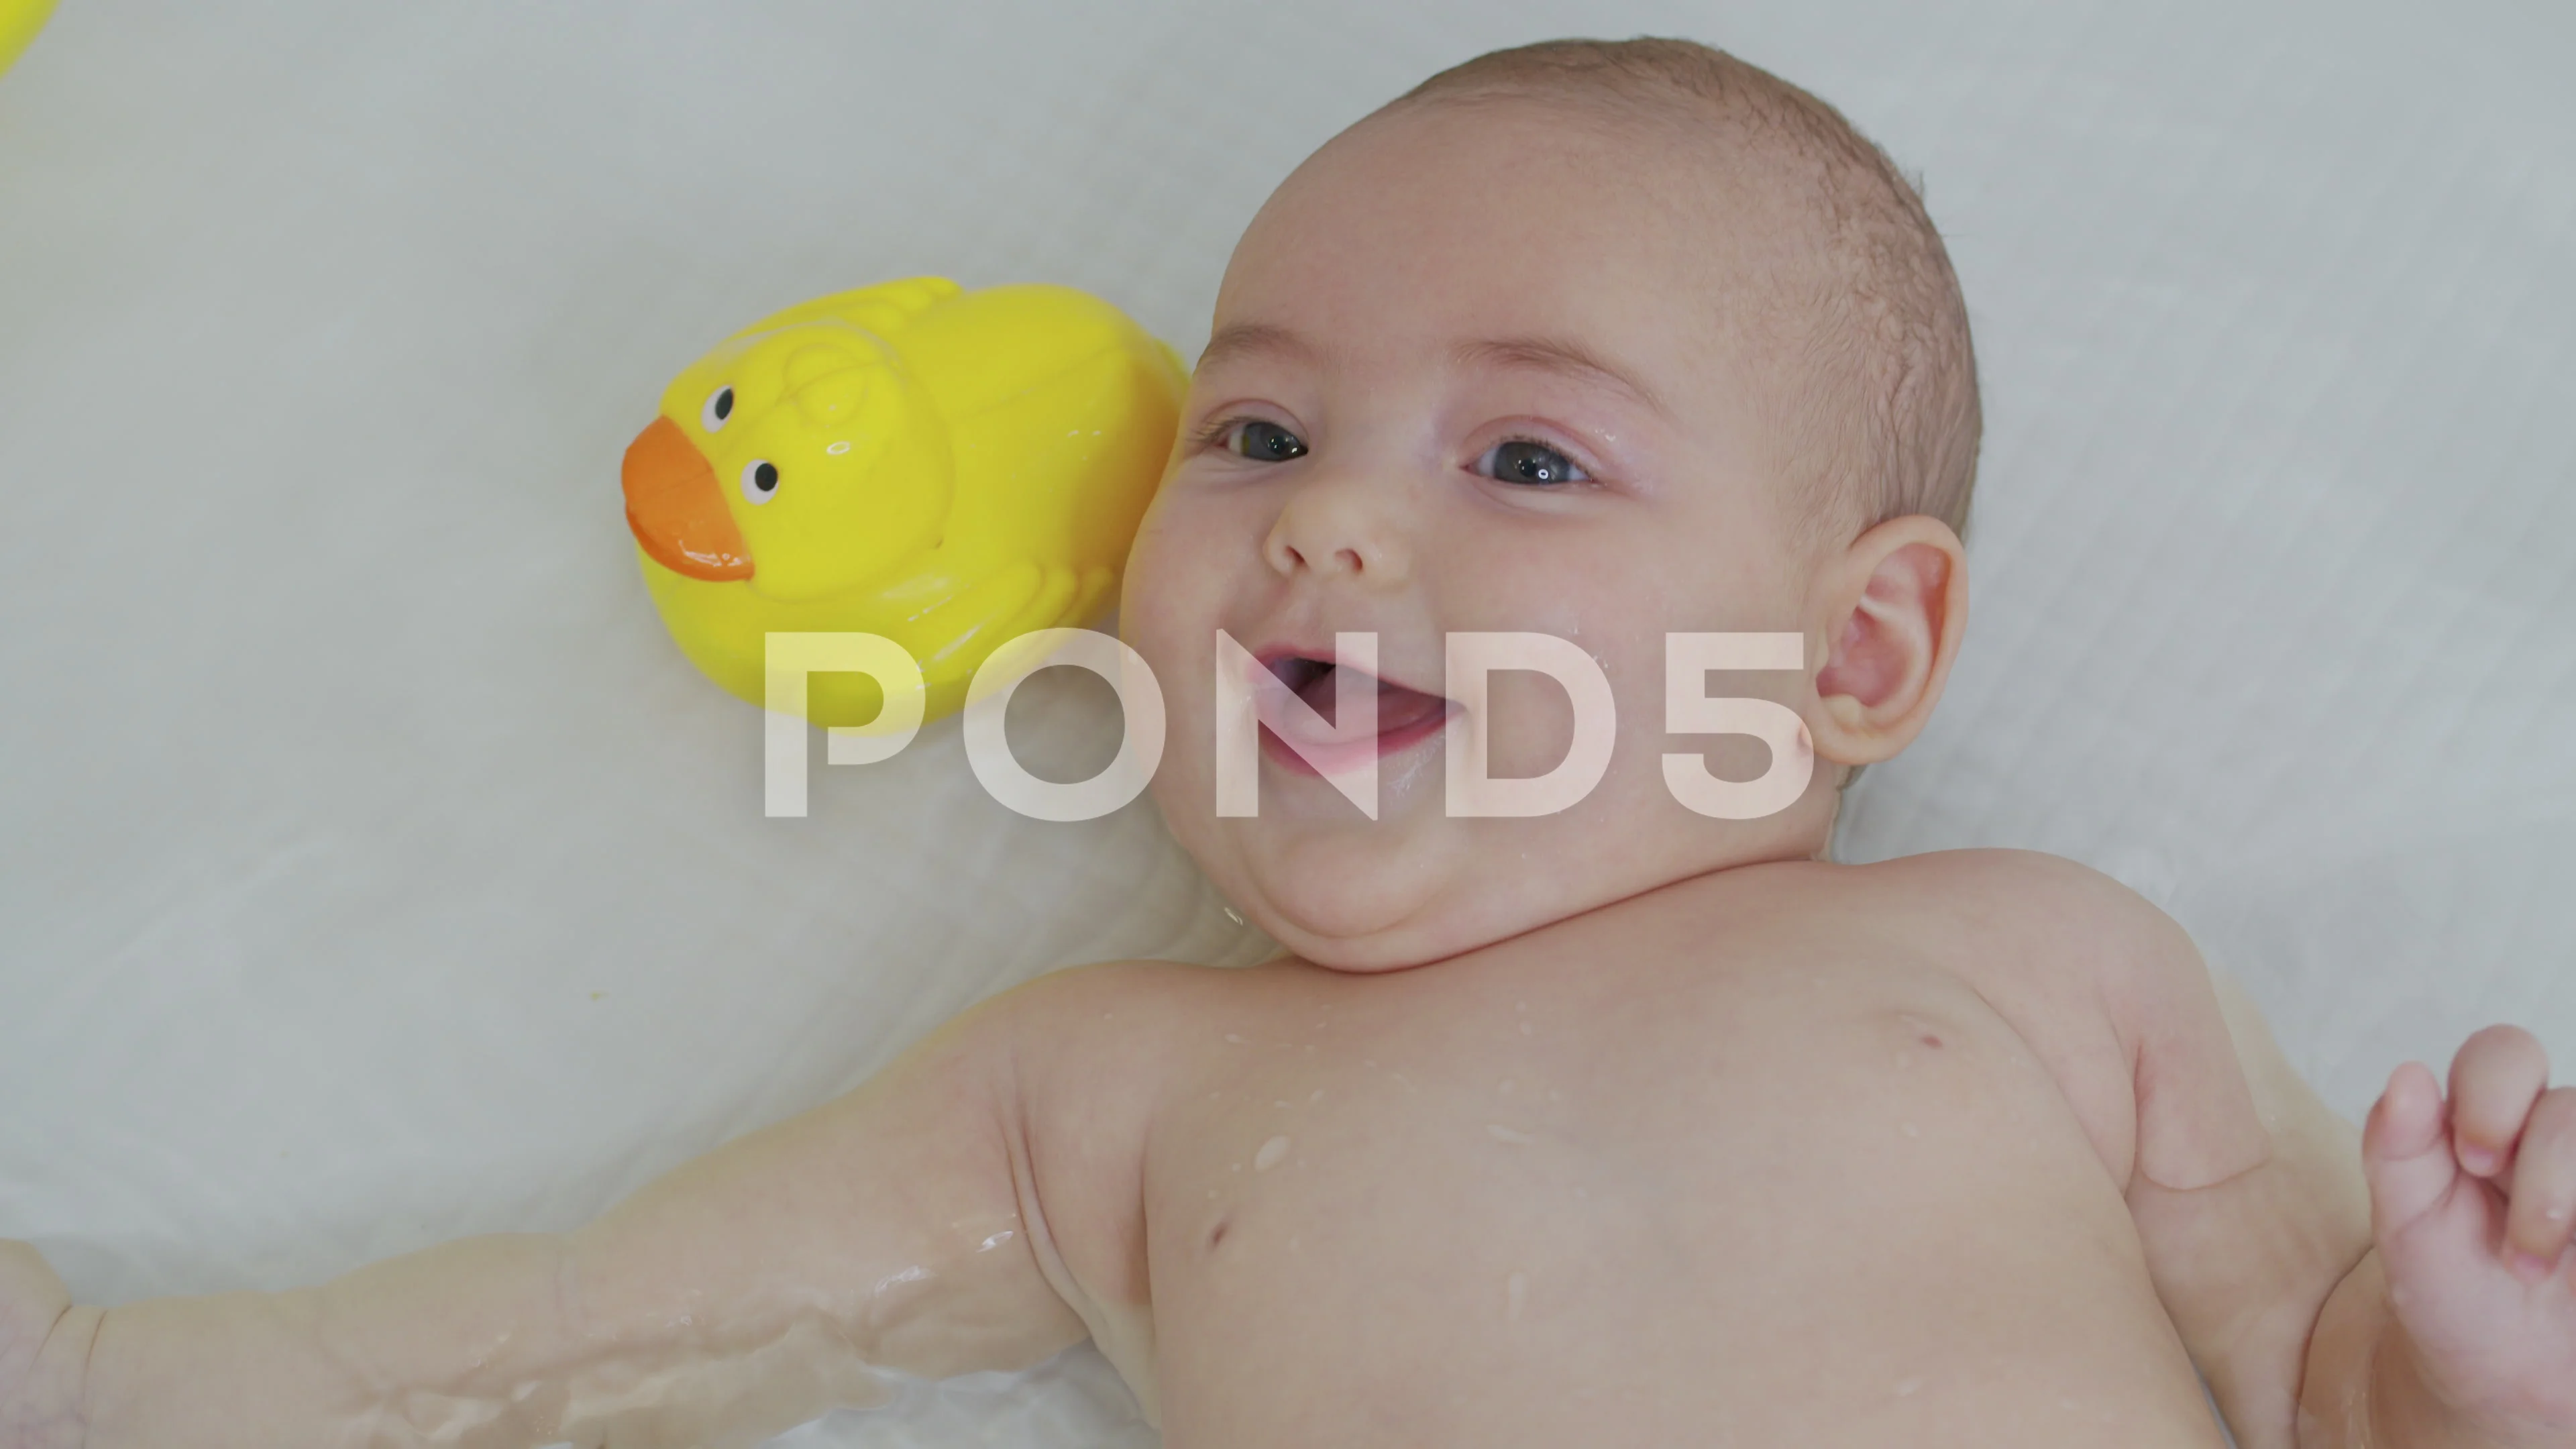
<point>372,870</point>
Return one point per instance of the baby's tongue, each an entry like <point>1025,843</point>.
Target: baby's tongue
<point>1397,706</point>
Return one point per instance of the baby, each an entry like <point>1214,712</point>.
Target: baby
<point>1619,1125</point>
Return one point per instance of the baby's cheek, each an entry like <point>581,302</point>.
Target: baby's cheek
<point>1729,757</point>
<point>1532,722</point>
<point>1175,641</point>
<point>1170,573</point>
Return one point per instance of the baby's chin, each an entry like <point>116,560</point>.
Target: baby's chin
<point>1337,903</point>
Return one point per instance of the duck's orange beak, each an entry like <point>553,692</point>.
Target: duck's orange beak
<point>676,509</point>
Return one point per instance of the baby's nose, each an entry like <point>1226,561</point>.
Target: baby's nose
<point>1338,527</point>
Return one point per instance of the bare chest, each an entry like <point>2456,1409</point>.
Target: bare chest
<point>1834,1202</point>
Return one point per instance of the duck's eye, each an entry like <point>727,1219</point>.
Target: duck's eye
<point>1265,442</point>
<point>759,480</point>
<point>719,406</point>
<point>1522,461</point>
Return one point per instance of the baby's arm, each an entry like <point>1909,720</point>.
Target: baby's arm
<point>746,1292</point>
<point>2245,1264</point>
<point>2276,1286</point>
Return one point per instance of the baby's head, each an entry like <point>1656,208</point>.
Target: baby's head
<point>1601,341</point>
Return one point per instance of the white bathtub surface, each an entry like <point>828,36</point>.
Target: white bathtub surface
<point>372,871</point>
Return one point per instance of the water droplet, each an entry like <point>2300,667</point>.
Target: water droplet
<point>1528,1030</point>
<point>1911,1130</point>
<point>1501,1133</point>
<point>1908,1386</point>
<point>1515,1293</point>
<point>1318,1096</point>
<point>1230,1036</point>
<point>1269,1155</point>
<point>1234,915</point>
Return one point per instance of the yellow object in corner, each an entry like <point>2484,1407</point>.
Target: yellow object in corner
<point>19,22</point>
<point>949,469</point>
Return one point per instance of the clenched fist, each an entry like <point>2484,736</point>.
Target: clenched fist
<point>2474,1202</point>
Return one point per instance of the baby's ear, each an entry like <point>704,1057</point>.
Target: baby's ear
<point>1891,608</point>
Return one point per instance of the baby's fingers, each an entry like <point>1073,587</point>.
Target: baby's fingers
<point>2496,1077</point>
<point>2404,1151</point>
<point>2543,1211</point>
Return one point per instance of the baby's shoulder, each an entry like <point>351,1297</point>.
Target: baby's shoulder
<point>2038,933</point>
<point>2084,966</point>
<point>1091,1053</point>
<point>2026,912</point>
<point>1090,1019</point>
<point>2034,879</point>
<point>1096,1050</point>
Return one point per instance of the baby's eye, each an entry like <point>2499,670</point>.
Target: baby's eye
<point>718,407</point>
<point>759,480</point>
<point>1264,442</point>
<point>1519,460</point>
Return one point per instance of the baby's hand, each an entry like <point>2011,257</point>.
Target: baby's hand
<point>39,1390</point>
<point>2474,1201</point>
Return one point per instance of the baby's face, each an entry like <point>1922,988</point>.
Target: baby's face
<point>1473,370</point>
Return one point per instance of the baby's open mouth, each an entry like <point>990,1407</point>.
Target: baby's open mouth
<point>1404,716</point>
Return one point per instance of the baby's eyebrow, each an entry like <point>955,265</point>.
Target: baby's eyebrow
<point>1558,355</point>
<point>1243,339</point>
<point>1561,356</point>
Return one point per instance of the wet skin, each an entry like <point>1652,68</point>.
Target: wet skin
<point>1792,1154</point>
<point>1622,1125</point>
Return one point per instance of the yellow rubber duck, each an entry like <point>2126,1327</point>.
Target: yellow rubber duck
<point>950,469</point>
<point>19,22</point>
